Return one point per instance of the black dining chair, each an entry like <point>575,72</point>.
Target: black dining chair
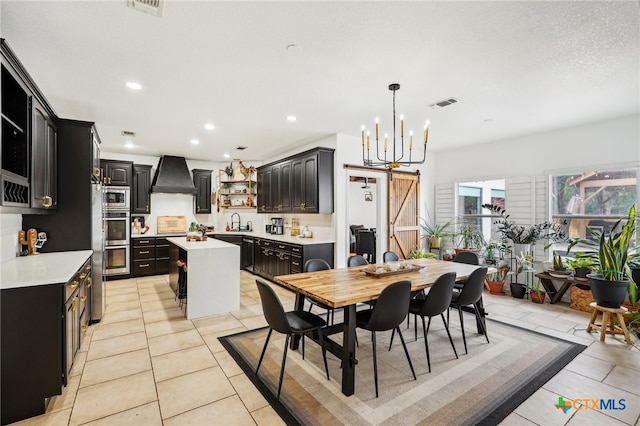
<point>366,245</point>
<point>435,303</point>
<point>466,257</point>
<point>289,323</point>
<point>390,256</point>
<point>313,265</point>
<point>356,260</point>
<point>387,314</point>
<point>470,294</point>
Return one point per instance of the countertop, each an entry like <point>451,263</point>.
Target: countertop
<point>282,238</point>
<point>209,244</point>
<point>41,269</point>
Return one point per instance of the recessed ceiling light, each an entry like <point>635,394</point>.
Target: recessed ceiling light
<point>226,156</point>
<point>129,144</point>
<point>292,118</point>
<point>209,126</point>
<point>133,85</point>
<point>195,141</point>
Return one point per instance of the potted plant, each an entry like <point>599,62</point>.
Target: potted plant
<point>523,237</point>
<point>435,233</point>
<point>468,238</point>
<point>418,253</point>
<point>611,284</point>
<point>495,280</point>
<point>581,266</point>
<point>490,251</point>
<point>537,294</point>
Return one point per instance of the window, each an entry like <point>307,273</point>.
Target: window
<point>593,200</point>
<point>471,196</point>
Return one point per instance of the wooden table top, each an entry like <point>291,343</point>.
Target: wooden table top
<point>348,286</point>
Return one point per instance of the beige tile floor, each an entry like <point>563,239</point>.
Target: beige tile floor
<point>144,364</point>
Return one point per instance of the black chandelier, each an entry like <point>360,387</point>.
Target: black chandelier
<point>397,156</point>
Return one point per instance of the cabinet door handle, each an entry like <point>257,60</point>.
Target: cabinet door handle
<point>96,171</point>
<point>47,201</point>
<point>74,301</point>
<point>146,265</point>
<point>73,284</point>
<point>144,242</point>
<point>83,328</point>
<point>295,263</point>
<point>83,298</point>
<point>144,252</point>
<point>82,276</point>
<point>89,282</point>
<point>147,208</point>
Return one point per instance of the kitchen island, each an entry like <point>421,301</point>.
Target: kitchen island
<point>213,281</point>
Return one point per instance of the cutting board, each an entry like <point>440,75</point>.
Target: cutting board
<point>171,224</point>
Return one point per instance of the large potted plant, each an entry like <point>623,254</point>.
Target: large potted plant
<point>611,284</point>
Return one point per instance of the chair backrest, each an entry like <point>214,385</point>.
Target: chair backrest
<point>272,308</point>
<point>390,256</point>
<point>356,260</point>
<point>472,290</point>
<point>366,243</point>
<point>392,307</point>
<point>468,257</point>
<point>313,265</point>
<point>439,297</point>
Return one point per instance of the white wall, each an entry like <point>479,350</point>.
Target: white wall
<point>10,224</point>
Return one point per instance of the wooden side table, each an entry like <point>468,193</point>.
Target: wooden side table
<point>607,319</point>
<point>556,294</point>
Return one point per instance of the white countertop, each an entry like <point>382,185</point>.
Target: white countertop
<point>209,244</point>
<point>282,238</point>
<point>41,269</point>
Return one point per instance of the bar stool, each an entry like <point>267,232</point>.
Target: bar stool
<point>607,318</point>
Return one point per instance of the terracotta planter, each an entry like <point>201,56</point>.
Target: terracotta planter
<point>609,294</point>
<point>460,250</point>
<point>496,287</point>
<point>537,299</point>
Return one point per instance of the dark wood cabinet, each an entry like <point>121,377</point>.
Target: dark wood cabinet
<point>149,256</point>
<point>141,189</point>
<point>299,184</point>
<point>116,173</point>
<point>202,200</point>
<point>273,258</point>
<point>44,172</point>
<point>162,256</point>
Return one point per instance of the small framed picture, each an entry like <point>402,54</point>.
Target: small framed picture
<point>368,196</point>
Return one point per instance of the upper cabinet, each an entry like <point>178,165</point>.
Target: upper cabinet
<point>116,173</point>
<point>141,189</point>
<point>44,172</point>
<point>28,158</point>
<point>202,200</point>
<point>299,184</point>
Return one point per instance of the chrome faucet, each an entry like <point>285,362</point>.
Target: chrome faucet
<point>249,225</point>
<point>235,226</point>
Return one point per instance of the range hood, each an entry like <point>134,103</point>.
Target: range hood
<point>172,177</point>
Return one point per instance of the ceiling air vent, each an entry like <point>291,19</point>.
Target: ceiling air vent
<point>444,103</point>
<point>128,134</point>
<point>152,7</point>
<point>241,148</point>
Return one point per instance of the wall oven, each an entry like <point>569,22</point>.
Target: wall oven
<point>117,198</point>
<point>117,230</point>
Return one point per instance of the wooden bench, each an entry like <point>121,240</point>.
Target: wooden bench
<point>556,294</point>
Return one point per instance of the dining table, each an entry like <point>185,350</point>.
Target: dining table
<point>347,287</point>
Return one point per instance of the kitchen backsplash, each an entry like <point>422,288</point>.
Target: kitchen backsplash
<point>10,225</point>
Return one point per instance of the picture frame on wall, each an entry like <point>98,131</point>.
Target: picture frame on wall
<point>368,196</point>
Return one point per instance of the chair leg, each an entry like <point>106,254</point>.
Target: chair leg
<point>464,339</point>
<point>483,325</point>
<point>406,352</point>
<point>284,361</point>
<point>446,326</point>
<point>375,361</point>
<point>302,338</point>
<point>393,333</point>
<point>415,327</point>
<point>264,349</point>
<point>324,352</point>
<point>426,345</point>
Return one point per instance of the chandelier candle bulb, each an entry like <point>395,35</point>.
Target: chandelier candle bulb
<point>410,140</point>
<point>363,135</point>
<point>376,128</point>
<point>401,125</point>
<point>385,142</point>
<point>367,139</point>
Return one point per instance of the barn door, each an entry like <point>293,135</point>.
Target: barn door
<point>404,213</point>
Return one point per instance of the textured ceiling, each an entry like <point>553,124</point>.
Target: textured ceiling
<point>516,67</point>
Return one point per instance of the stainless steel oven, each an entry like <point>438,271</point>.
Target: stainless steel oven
<point>117,229</point>
<point>117,198</point>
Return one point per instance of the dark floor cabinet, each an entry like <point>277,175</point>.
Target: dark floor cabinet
<point>149,256</point>
<point>271,258</point>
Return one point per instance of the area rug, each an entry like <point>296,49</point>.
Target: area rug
<point>481,387</point>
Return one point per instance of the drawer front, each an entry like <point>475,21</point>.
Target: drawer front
<point>140,253</point>
<point>143,242</point>
<point>162,242</point>
<point>162,252</point>
<point>282,246</point>
<point>296,264</point>
<point>296,250</point>
<point>144,267</point>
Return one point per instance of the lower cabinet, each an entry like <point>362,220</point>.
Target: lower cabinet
<point>149,256</point>
<point>273,258</point>
<point>42,330</point>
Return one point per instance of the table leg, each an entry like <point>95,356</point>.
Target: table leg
<point>349,350</point>
<point>299,306</point>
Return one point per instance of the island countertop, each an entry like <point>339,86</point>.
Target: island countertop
<point>209,244</point>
